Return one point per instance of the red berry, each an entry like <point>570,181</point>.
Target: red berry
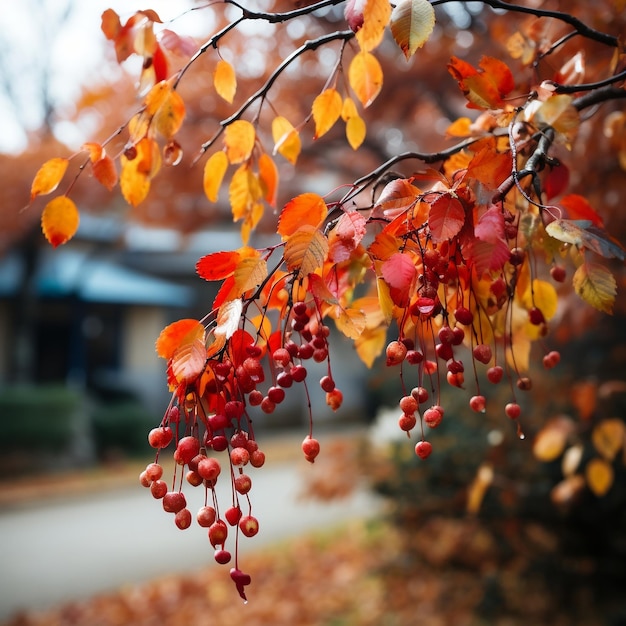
<point>433,416</point>
<point>193,478</point>
<point>320,355</point>
<point>253,369</point>
<point>267,406</point>
<point>517,256</point>
<point>334,399</point>
<point>305,351</point>
<point>239,457</point>
<point>160,437</point>
<point>219,421</point>
<point>430,367</point>
<point>218,532</point>
<point>281,356</point>
<point>482,352</point>
<point>327,383</point>
<point>144,480</point>
<point>233,409</point>
<point>222,557</point>
<point>249,525</point>
<point>445,334</point>
<point>478,404</point>
<point>458,334</point>
<point>284,379</point>
<point>407,422</point>
<point>154,471</point>
<point>255,397</point>
<point>455,367</point>
<point>536,317</point>
<point>183,519</point>
<point>298,373</point>
<point>257,458</point>
<point>174,501</point>
<point>158,489</point>
<point>455,379</point>
<point>423,449</point>
<point>420,394</point>
<point>395,353</point>
<point>524,383</point>
<point>276,394</point>
<point>513,410</point>
<point>209,468</point>
<point>494,374</point>
<point>414,357</point>
<point>408,404</point>
<point>233,515</point>
<point>219,443</point>
<point>311,448</point>
<point>463,316</point>
<point>243,484</point>
<point>205,516</point>
<point>186,449</point>
<point>551,359</point>
<point>444,351</point>
<point>300,308</point>
<point>558,273</point>
<point>239,439</point>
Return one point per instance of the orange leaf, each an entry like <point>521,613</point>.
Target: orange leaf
<point>376,14</point>
<point>446,218</point>
<point>105,172</point>
<point>214,171</point>
<point>169,116</point>
<point>578,208</point>
<point>307,208</point>
<point>217,265</point>
<point>225,80</point>
<point>326,111</point>
<point>95,150</point>
<point>365,76</point>
<point>268,177</point>
<point>189,361</point>
<point>412,22</point>
<point>489,167</point>
<point>157,97</point>
<point>176,334</point>
<point>239,138</point>
<point>599,475</point>
<point>48,177</point>
<point>550,441</point>
<point>306,250</point>
<point>59,220</point>
<point>584,396</point>
<point>608,437</point>
<point>286,139</point>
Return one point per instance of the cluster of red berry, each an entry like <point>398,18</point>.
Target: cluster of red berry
<point>210,416</point>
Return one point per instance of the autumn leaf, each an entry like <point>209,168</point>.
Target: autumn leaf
<point>489,167</point>
<point>350,321</point>
<point>176,334</point>
<point>169,116</point>
<point>355,126</point>
<point>105,172</point>
<point>411,23</point>
<point>59,220</point>
<point>268,177</point>
<point>326,110</point>
<point>244,191</point>
<point>188,361</point>
<point>156,97</point>
<point>399,273</point>
<point>137,172</point>
<point>550,441</point>
<point>250,273</point>
<point>376,14</point>
<point>446,218</point>
<point>582,233</point>
<point>239,138</point>
<point>286,139</point>
<point>608,437</point>
<point>225,80</point>
<point>599,476</point>
<point>214,172</point>
<point>557,112</point>
<point>48,177</point>
<point>542,295</point>
<point>596,285</point>
<point>218,265</point>
<point>228,319</point>
<point>305,209</point>
<point>365,76</point>
<point>94,149</point>
<point>577,207</point>
<point>486,87</point>
<point>397,196</point>
<point>346,235</point>
<point>305,250</point>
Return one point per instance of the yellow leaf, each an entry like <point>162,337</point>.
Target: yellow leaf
<point>306,250</point>
<point>608,437</point>
<point>365,76</point>
<point>558,112</point>
<point>370,344</point>
<point>550,441</point>
<point>156,97</point>
<point>595,285</point>
<point>214,171</point>
<point>95,150</point>
<point>268,177</point>
<point>355,132</point>
<point>244,191</point>
<point>239,138</point>
<point>169,117</point>
<point>477,490</point>
<point>351,322</point>
<point>250,273</point>
<point>225,80</point>
<point>59,220</point>
<point>376,14</point>
<point>543,296</point>
<point>326,111</point>
<point>137,172</point>
<point>599,475</point>
<point>412,22</point>
<point>286,139</point>
<point>48,177</point>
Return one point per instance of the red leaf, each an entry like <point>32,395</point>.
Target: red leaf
<point>490,225</point>
<point>446,218</point>
<point>217,265</point>
<point>346,236</point>
<point>159,62</point>
<point>178,333</point>
<point>556,180</point>
<point>399,273</point>
<point>238,344</point>
<point>577,208</point>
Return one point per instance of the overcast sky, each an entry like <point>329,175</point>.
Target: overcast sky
<point>30,36</point>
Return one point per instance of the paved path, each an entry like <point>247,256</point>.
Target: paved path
<point>67,550</point>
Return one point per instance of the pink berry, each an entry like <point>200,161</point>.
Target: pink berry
<point>158,489</point>
<point>154,471</point>
<point>551,359</point>
<point>423,449</point>
<point>408,405</point>
<point>209,468</point>
<point>239,456</point>
<point>218,532</point>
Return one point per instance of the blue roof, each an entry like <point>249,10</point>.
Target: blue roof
<point>92,278</point>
